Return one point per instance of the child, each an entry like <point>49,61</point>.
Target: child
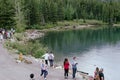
<point>32,76</point>
<point>44,69</point>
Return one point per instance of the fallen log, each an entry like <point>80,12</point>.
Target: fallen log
<point>83,72</point>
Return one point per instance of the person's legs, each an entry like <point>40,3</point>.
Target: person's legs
<point>45,74</point>
<point>42,71</point>
<point>46,62</point>
<point>74,72</point>
<point>50,61</point>
<point>67,72</point>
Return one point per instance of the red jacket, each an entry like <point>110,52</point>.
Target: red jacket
<point>66,65</point>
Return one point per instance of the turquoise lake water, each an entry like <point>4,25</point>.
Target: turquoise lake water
<point>92,47</point>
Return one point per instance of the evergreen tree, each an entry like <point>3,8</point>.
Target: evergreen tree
<point>6,14</point>
<point>19,15</point>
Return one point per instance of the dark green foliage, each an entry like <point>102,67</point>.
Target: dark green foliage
<point>40,12</point>
<point>6,14</point>
<point>34,48</point>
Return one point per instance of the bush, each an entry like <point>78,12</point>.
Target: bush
<point>19,36</point>
<point>38,53</point>
<point>46,26</point>
<point>34,48</point>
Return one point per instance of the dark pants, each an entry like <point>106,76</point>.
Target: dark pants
<point>66,72</point>
<point>44,72</point>
<point>74,72</point>
<point>46,62</point>
<point>51,62</point>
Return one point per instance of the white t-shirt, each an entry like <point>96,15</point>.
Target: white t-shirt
<point>1,36</point>
<point>51,56</point>
<point>43,66</point>
<point>46,56</point>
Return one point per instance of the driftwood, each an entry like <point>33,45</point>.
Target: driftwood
<point>27,62</point>
<point>84,75</point>
<point>83,72</point>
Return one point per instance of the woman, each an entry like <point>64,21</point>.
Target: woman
<point>96,74</point>
<point>66,68</point>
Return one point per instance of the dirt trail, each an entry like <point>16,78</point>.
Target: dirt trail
<point>10,70</point>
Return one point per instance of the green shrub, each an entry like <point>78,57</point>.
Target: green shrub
<point>19,36</point>
<point>39,53</point>
<point>34,48</point>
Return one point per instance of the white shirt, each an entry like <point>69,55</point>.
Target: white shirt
<point>43,66</point>
<point>46,56</point>
<point>1,36</point>
<point>51,56</point>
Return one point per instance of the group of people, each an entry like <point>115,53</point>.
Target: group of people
<point>67,66</point>
<point>49,59</point>
<point>44,71</point>
<point>98,74</point>
<point>6,34</point>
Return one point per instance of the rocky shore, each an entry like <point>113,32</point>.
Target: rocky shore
<point>33,34</point>
<point>13,70</point>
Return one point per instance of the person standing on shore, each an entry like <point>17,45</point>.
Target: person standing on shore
<point>46,55</point>
<point>44,70</point>
<point>74,67</point>
<point>96,74</point>
<point>101,74</point>
<point>51,59</point>
<point>1,37</point>
<point>66,68</point>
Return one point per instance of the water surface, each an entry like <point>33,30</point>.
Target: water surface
<point>93,48</point>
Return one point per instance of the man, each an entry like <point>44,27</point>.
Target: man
<point>51,59</point>
<point>74,67</point>
<point>46,55</point>
<point>101,74</point>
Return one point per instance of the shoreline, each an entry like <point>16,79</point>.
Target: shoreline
<point>72,27</point>
<point>36,62</point>
<point>16,68</point>
<point>34,34</point>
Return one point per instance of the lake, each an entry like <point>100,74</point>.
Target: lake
<point>93,48</point>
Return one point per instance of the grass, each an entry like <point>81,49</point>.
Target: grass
<point>66,23</point>
<point>47,26</point>
<point>80,22</point>
<point>31,47</point>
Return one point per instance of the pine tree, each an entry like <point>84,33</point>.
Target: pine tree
<point>6,14</point>
<point>19,15</point>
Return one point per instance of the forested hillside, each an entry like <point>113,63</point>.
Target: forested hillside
<point>23,13</point>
